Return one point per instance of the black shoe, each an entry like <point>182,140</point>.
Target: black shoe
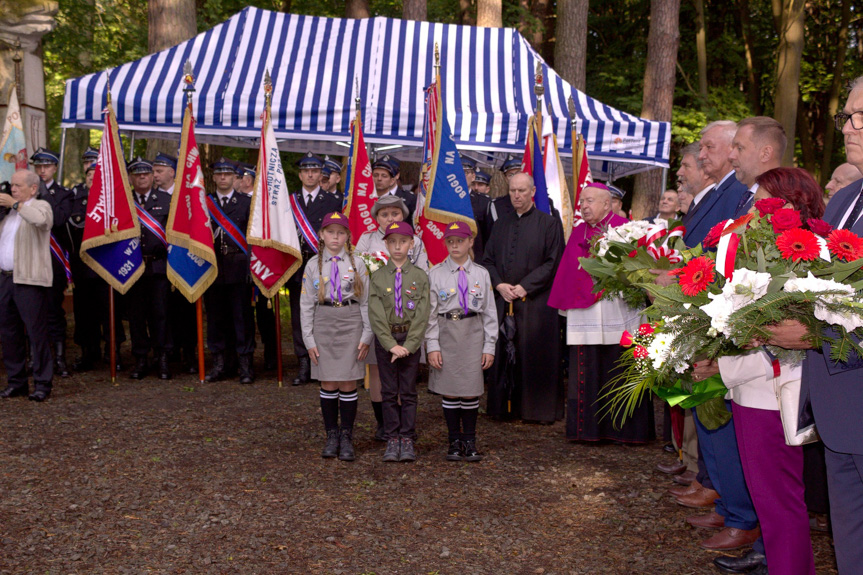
<point>60,360</point>
<point>140,369</point>
<point>470,452</point>
<point>305,372</point>
<point>408,452</point>
<point>745,564</point>
<point>39,395</point>
<point>164,369</point>
<point>393,450</point>
<point>346,446</point>
<point>331,449</point>
<point>14,392</point>
<point>668,448</point>
<point>217,371</point>
<point>247,374</point>
<point>380,435</point>
<point>455,452</point>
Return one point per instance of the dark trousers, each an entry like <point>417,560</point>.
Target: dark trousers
<point>24,314</point>
<point>722,458</point>
<point>90,309</point>
<point>845,482</point>
<point>147,306</point>
<point>183,324</point>
<point>266,320</point>
<point>230,315</point>
<point>295,286</point>
<point>398,381</point>
<point>56,313</point>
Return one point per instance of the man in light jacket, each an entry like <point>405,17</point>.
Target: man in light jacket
<point>25,277</point>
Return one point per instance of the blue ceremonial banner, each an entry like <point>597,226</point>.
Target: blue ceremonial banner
<point>191,259</point>
<point>112,232</point>
<point>449,195</point>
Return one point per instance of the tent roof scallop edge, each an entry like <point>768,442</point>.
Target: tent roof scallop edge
<point>487,77</point>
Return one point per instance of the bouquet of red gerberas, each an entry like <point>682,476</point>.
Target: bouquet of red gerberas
<point>766,267</point>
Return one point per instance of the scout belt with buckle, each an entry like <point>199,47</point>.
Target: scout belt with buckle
<point>402,328</point>
<point>457,315</point>
<point>347,302</point>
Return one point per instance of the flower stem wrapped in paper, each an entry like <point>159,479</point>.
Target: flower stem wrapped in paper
<point>621,258</point>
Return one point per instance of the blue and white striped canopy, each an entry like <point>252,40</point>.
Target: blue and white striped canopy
<point>487,79</point>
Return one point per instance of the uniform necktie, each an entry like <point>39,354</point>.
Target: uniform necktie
<point>855,213</point>
<point>398,288</point>
<point>140,199</point>
<point>462,289</point>
<point>335,292</point>
<point>308,199</point>
<point>224,201</point>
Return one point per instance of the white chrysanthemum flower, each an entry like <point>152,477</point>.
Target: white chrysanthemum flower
<point>746,286</point>
<point>814,285</point>
<point>719,310</point>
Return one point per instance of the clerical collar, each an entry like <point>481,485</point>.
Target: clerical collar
<point>530,209</point>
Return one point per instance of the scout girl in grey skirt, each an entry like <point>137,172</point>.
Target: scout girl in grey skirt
<point>336,330</point>
<point>460,339</point>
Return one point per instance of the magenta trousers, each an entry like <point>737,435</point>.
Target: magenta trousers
<point>774,475</point>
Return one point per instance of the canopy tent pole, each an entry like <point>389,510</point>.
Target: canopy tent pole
<point>131,146</point>
<point>62,154</point>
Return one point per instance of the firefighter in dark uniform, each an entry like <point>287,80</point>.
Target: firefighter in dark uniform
<point>331,176</point>
<point>88,158</point>
<point>147,299</point>
<point>45,165</point>
<point>315,204</point>
<point>89,292</point>
<point>230,315</point>
<point>480,202</point>
<point>385,172</point>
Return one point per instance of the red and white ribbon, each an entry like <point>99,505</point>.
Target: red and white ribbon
<point>726,253</point>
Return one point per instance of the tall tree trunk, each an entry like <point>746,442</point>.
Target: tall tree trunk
<point>752,74</point>
<point>466,15</point>
<point>170,23</point>
<point>357,9</point>
<point>570,48</point>
<point>414,10</point>
<point>701,48</point>
<point>287,6</point>
<point>788,71</point>
<point>540,10</point>
<point>804,131</point>
<point>489,13</point>
<point>835,88</point>
<point>659,78</point>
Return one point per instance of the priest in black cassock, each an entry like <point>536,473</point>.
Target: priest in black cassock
<point>522,256</point>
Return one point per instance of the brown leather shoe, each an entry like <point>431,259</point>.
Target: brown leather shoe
<point>674,468</point>
<point>731,538</point>
<point>685,478</point>
<point>712,520</point>
<point>701,498</point>
<point>689,490</point>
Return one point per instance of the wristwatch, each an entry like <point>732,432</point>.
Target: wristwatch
<point>15,206</point>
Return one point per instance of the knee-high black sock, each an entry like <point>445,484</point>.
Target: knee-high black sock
<point>348,408</point>
<point>378,408</point>
<point>469,412</point>
<point>452,416</point>
<point>330,409</point>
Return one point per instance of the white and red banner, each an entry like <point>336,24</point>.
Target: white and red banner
<point>272,235</point>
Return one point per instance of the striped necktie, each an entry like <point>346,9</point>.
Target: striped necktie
<point>855,212</point>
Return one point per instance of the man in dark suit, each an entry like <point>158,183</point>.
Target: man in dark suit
<point>147,299</point>
<point>758,146</point>
<point>230,315</point>
<point>836,389</point>
<point>315,204</point>
<point>45,165</point>
<point>480,202</point>
<point>385,172</point>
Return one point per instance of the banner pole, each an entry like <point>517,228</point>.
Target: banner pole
<point>278,315</point>
<point>200,321</point>
<point>112,337</point>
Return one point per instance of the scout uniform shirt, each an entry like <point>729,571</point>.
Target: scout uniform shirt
<point>374,242</point>
<point>415,305</point>
<point>443,285</point>
<point>347,278</point>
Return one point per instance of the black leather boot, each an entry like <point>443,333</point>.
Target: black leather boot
<point>60,359</point>
<point>331,449</point>
<point>164,369</point>
<point>346,445</point>
<point>247,373</point>
<point>305,372</point>
<point>140,369</point>
<point>217,371</point>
